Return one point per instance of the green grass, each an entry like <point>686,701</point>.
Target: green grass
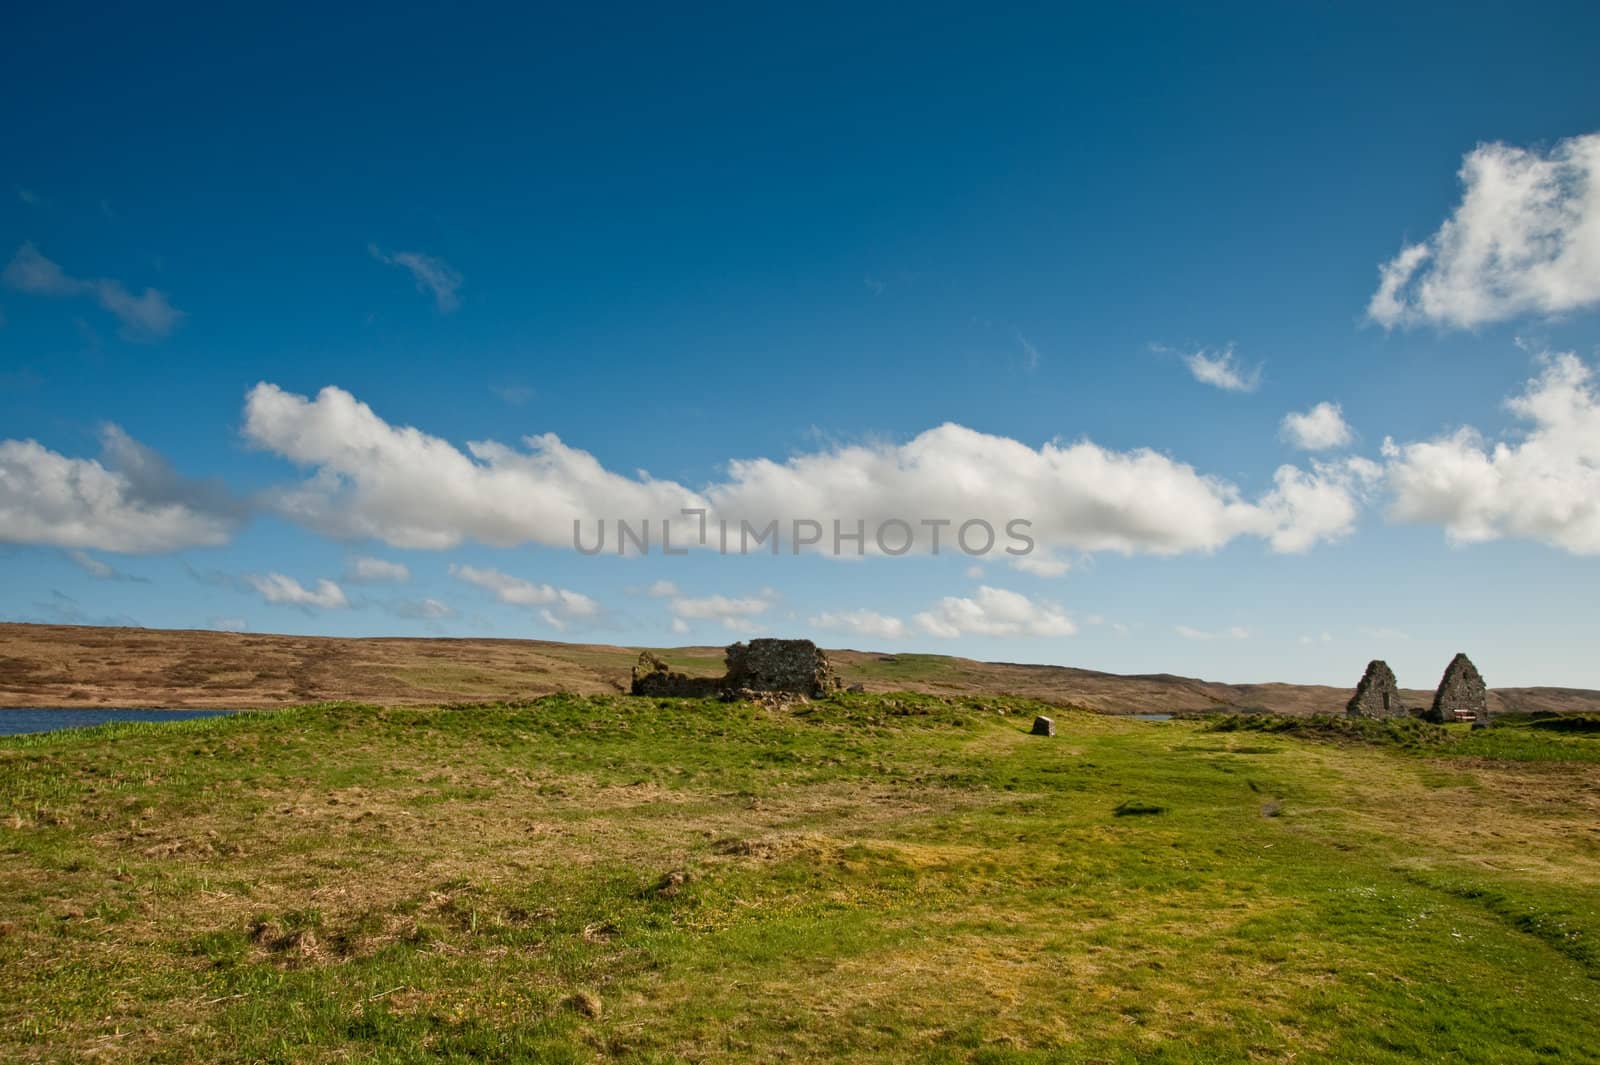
<point>869,878</point>
<point>888,670</point>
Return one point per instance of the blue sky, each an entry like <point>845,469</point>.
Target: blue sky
<point>676,242</point>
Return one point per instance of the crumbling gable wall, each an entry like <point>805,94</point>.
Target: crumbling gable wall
<point>1378,694</point>
<point>1461,692</point>
<point>797,667</point>
<point>652,676</point>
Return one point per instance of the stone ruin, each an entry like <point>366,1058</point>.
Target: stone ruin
<point>1462,695</point>
<point>785,667</point>
<point>1378,695</point>
<point>796,666</point>
<point>652,676</point>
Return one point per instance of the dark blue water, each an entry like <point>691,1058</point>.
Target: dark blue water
<point>1151,717</point>
<point>15,722</point>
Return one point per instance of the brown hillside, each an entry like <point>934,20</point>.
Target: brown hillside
<point>73,666</point>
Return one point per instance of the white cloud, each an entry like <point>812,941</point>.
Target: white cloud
<point>1310,641</point>
<point>994,612</point>
<point>431,275</point>
<point>276,588</point>
<point>130,501</point>
<point>735,615</point>
<point>1222,370</point>
<point>514,395</point>
<point>228,624</point>
<point>862,623</point>
<point>1321,504</point>
<point>662,590</point>
<point>1078,496</point>
<point>409,489</point>
<point>1237,632</point>
<point>99,569</point>
<point>365,570</point>
<point>1525,239</point>
<point>1030,354</point>
<point>1388,306</point>
<point>29,271</point>
<point>1318,429</point>
<point>144,317</point>
<point>560,604</point>
<point>1041,564</point>
<point>92,566</point>
<point>1544,486</point>
<point>1118,627</point>
<point>421,609</point>
<point>718,606</point>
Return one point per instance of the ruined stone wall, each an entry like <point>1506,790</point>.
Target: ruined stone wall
<point>1460,689</point>
<point>1378,694</point>
<point>651,676</point>
<point>797,667</point>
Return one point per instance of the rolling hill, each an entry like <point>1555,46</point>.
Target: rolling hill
<point>77,666</point>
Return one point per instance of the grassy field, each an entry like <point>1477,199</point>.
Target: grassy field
<point>870,878</point>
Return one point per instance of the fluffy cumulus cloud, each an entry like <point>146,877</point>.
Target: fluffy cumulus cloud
<point>1078,496</point>
<point>276,588</point>
<point>145,316</point>
<point>994,612</point>
<point>559,607</point>
<point>1525,239</point>
<point>128,501</point>
<point>861,623</point>
<point>1543,485</point>
<point>1319,429</point>
<point>409,489</point>
<point>433,276</point>
<point>1320,504</point>
<point>365,570</point>
<point>1222,370</point>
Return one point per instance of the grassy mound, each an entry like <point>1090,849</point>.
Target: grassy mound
<point>1394,731</point>
<point>1579,724</point>
<point>1511,737</point>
